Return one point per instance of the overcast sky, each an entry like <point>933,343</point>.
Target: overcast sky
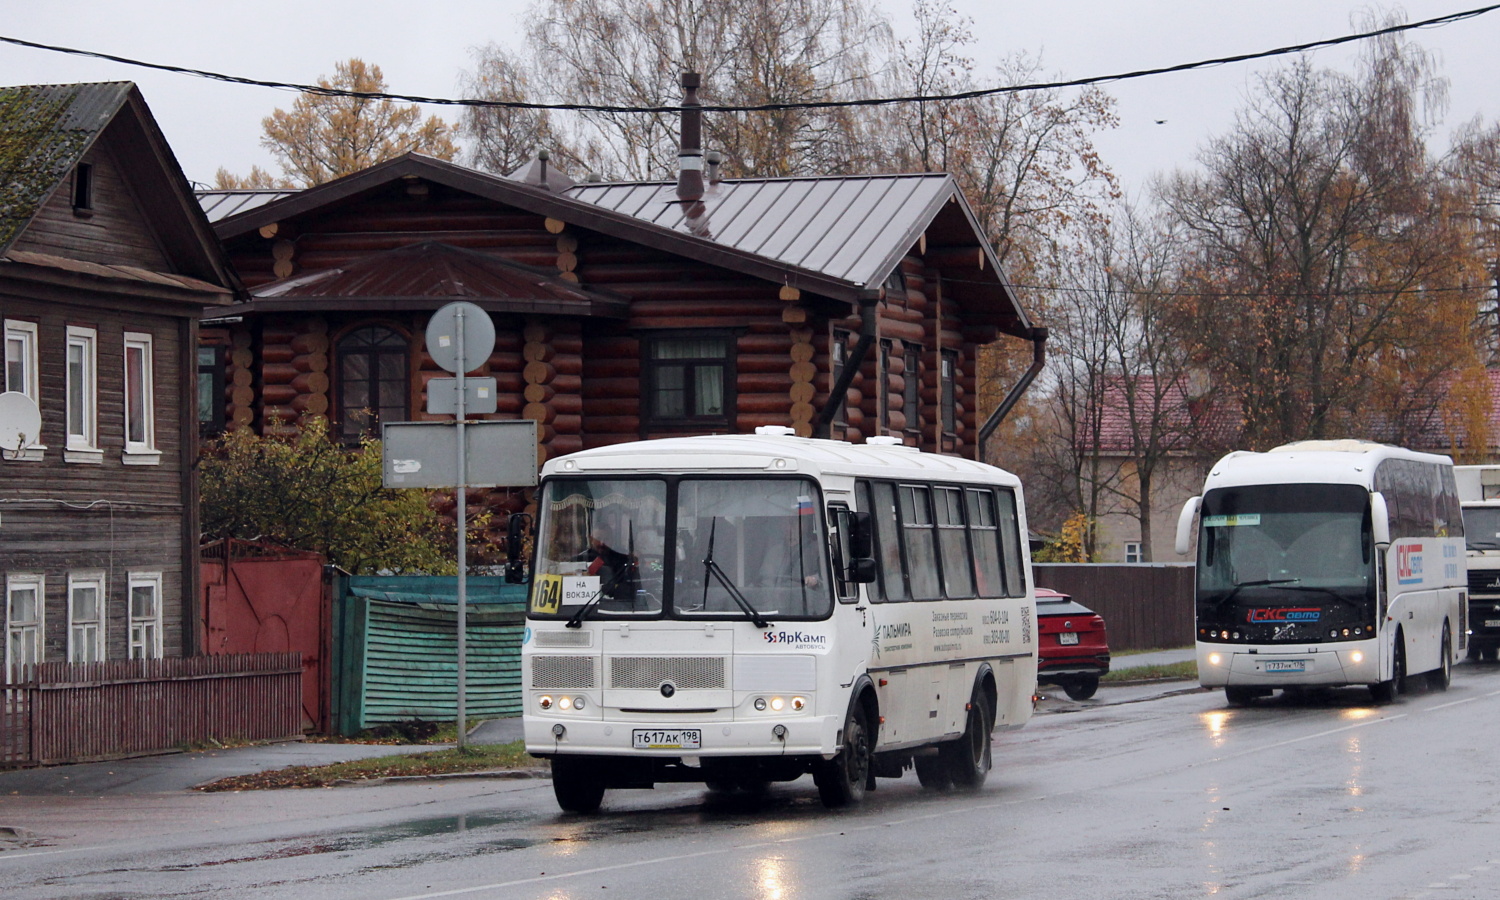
<point>422,48</point>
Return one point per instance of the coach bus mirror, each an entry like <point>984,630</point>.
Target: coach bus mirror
<point>1185,525</point>
<point>862,571</point>
<point>860,544</point>
<point>515,550</point>
<point>1380,522</point>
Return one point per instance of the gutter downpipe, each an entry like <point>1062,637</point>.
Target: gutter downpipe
<point>1038,359</point>
<point>823,427</point>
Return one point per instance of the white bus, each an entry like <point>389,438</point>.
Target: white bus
<point>1325,563</point>
<point>737,610</point>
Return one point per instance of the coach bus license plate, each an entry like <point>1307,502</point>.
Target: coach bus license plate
<point>1068,637</point>
<point>1285,665</point>
<point>678,739</point>
<point>1492,623</point>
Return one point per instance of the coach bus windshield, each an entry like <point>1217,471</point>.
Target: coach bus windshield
<point>1284,545</point>
<point>746,549</point>
<point>1482,527</point>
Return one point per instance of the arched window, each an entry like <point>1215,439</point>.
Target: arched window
<point>373,380</point>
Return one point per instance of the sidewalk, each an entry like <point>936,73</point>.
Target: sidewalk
<point>170,772</point>
<point>1154,658</point>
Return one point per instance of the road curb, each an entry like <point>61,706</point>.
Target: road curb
<point>499,774</point>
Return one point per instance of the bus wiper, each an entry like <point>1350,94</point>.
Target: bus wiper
<point>711,567</point>
<point>1224,601</point>
<point>614,581</point>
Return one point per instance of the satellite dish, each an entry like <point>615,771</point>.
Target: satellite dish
<point>20,422</point>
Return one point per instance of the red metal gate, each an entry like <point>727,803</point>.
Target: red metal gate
<point>265,599</point>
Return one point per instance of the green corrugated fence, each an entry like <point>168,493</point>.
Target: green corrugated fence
<point>396,649</point>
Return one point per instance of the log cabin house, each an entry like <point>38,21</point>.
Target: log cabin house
<point>106,263</point>
<point>847,307</point>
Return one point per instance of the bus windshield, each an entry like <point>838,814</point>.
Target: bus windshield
<point>1285,544</point>
<point>1482,527</point>
<point>744,548</point>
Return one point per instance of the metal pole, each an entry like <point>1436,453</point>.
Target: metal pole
<point>463,545</point>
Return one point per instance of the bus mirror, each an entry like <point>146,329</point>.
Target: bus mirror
<point>1380,520</point>
<point>860,544</point>
<point>862,571</point>
<point>1185,525</point>
<point>515,550</point>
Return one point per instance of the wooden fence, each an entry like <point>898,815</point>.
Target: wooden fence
<point>1145,606</point>
<point>65,712</point>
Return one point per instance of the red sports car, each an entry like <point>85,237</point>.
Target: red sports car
<point>1074,651</point>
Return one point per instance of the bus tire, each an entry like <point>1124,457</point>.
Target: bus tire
<point>1388,691</point>
<point>576,784</point>
<point>1081,688</point>
<point>1439,679</point>
<point>932,772</point>
<point>1240,696</point>
<point>968,759</point>
<point>842,780</point>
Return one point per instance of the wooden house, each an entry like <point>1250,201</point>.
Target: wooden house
<point>848,307</point>
<point>106,264</point>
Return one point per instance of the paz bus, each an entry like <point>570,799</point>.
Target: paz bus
<point>1325,563</point>
<point>742,609</point>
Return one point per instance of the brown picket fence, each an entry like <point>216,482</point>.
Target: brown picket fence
<point>77,712</point>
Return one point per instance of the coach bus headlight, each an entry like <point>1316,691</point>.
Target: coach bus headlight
<point>1356,657</point>
<point>1346,632</point>
<point>760,704</point>
<point>1215,659</point>
<point>544,701</point>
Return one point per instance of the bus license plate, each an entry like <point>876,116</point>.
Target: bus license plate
<point>1286,665</point>
<point>679,739</point>
<point>1068,637</point>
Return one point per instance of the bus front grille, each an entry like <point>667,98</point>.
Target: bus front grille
<point>649,672</point>
<point>571,673</point>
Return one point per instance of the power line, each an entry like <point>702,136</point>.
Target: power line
<point>1144,292</point>
<point>321,90</point>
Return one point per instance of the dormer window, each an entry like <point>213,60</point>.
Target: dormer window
<point>83,190</point>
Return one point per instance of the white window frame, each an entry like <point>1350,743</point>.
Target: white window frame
<point>79,629</point>
<point>26,334</point>
<point>145,631</point>
<point>1133,552</point>
<point>140,450</point>
<point>83,444</point>
<point>15,582</point>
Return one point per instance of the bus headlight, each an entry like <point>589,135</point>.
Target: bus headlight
<point>1215,659</point>
<point>1356,657</point>
<point>565,703</point>
<point>544,701</point>
<point>777,703</point>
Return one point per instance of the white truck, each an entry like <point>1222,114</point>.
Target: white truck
<point>1479,495</point>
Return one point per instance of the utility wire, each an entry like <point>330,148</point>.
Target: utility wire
<point>324,91</point>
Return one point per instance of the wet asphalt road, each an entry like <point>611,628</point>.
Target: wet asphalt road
<point>1141,793</point>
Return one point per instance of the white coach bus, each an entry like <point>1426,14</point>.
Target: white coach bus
<point>737,610</point>
<point>1326,563</point>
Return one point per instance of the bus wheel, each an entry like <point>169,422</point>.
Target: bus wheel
<point>932,772</point>
<point>1082,687</point>
<point>576,784</point>
<point>1439,679</point>
<point>1387,691</point>
<point>841,780</point>
<point>1240,696</point>
<point>968,758</point>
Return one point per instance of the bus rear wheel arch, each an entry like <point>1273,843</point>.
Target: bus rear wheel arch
<point>1387,691</point>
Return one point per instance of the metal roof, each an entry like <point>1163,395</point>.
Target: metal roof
<point>44,130</point>
<point>219,204</point>
<point>852,228</point>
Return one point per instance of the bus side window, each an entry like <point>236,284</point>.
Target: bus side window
<point>1010,544</point>
<point>958,569</point>
<point>879,497</point>
<point>985,537</point>
<point>918,534</point>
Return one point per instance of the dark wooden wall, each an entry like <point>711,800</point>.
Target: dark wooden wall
<point>1146,606</point>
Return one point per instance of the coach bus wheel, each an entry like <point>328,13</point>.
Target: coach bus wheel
<point>968,758</point>
<point>1240,696</point>
<point>1082,687</point>
<point>577,788</point>
<point>841,780</point>
<point>1439,679</point>
<point>932,772</point>
<point>1387,691</point>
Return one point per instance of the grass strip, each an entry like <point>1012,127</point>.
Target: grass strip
<point>473,758</point>
<point>1186,670</point>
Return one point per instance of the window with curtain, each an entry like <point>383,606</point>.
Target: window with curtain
<point>690,380</point>
<point>374,383</point>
